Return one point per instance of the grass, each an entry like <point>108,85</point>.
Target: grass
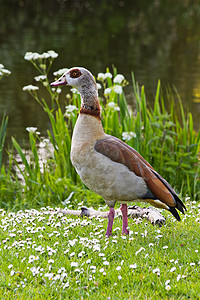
<point>51,256</point>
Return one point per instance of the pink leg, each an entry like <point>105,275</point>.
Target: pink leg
<point>124,211</point>
<point>111,216</point>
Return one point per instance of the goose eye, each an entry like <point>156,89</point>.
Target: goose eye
<point>75,73</point>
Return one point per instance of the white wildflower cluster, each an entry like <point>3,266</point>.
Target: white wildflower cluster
<point>3,71</point>
<point>113,106</point>
<point>107,91</point>
<point>98,86</point>
<point>74,91</point>
<point>127,136</point>
<point>36,56</point>
<point>32,130</point>
<point>116,88</point>
<point>70,110</point>
<point>60,72</point>
<point>118,81</point>
<point>40,78</point>
<point>119,78</point>
<point>104,76</point>
<point>30,88</point>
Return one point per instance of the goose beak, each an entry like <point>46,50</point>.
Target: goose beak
<point>61,81</point>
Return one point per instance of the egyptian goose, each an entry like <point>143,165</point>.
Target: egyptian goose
<point>108,166</point>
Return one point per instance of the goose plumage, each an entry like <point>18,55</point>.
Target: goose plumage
<point>107,165</point>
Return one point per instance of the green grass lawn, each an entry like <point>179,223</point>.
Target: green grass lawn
<point>51,256</point>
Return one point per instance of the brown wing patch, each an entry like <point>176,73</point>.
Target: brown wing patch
<point>120,152</point>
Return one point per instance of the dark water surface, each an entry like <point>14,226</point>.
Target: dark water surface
<point>157,39</point>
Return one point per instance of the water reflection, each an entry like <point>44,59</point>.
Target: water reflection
<point>155,39</point>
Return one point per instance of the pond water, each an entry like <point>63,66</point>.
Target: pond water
<point>157,39</point>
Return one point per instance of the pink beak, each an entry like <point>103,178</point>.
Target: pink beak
<point>61,81</point>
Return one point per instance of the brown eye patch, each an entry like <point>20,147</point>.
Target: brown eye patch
<point>75,73</point>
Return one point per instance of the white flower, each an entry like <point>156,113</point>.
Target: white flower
<point>120,277</point>
<point>50,261</point>
<point>165,247</point>
<point>167,287</point>
<point>118,79</point>
<point>173,269</point>
<point>101,76</point>
<point>117,89</point>
<point>74,91</point>
<point>127,136</point>
<point>5,72</point>
<point>39,248</point>
<point>35,55</point>
<point>52,53</point>
<point>106,263</point>
<point>28,56</point>
<point>12,273</point>
<point>58,90</point>
<point>62,269</point>
<point>45,55</point>
<point>12,234</point>
<point>98,86</point>
<point>142,248</point>
<point>69,110</point>
<point>114,106</point>
<point>31,56</point>
<point>74,264</point>
<point>77,270</point>
<point>10,266</point>
<point>40,78</point>
<point>108,75</point>
<point>35,270</point>
<point>156,270</point>
<point>134,266</point>
<point>49,275</point>
<point>167,282</point>
<point>66,285</point>
<point>88,261</point>
<point>32,258</point>
<point>30,87</point>
<point>192,264</point>
<point>107,91</point>
<point>60,72</point>
<point>31,129</point>
<point>118,268</point>
<point>101,270</point>
<point>81,253</point>
<point>96,248</point>
<point>178,277</point>
<point>1,66</point>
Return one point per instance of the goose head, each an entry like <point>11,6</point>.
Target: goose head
<point>78,77</point>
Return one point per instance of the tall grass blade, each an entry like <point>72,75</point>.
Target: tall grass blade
<point>3,129</point>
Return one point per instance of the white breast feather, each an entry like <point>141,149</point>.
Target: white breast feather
<point>112,180</point>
